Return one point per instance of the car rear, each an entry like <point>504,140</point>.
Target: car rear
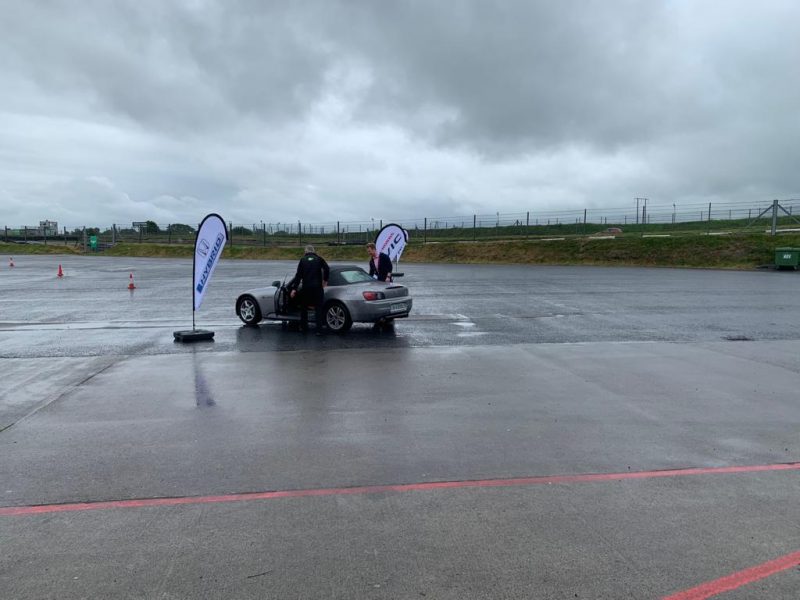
<point>379,302</point>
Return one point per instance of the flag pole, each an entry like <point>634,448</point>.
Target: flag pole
<point>211,234</point>
<point>194,272</point>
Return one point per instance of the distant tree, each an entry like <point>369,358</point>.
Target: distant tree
<point>240,230</point>
<point>92,231</point>
<point>151,227</point>
<point>181,229</point>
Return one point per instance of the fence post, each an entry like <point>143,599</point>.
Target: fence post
<point>84,239</point>
<point>300,233</point>
<point>584,221</point>
<point>774,217</point>
<point>338,234</point>
<point>425,232</point>
<point>26,232</point>
<point>6,233</point>
<point>474,227</point>
<point>709,218</point>
<point>264,233</point>
<point>169,233</point>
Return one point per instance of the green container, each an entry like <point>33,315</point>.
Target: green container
<point>787,257</point>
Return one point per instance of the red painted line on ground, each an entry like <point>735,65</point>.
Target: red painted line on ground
<point>737,580</point>
<point>376,489</point>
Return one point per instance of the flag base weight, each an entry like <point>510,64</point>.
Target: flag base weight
<point>193,335</point>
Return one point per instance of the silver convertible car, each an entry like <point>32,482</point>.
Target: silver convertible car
<point>352,296</point>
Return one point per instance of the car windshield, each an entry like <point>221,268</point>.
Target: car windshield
<point>351,276</point>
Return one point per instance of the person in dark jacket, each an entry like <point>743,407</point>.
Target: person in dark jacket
<point>380,265</point>
<point>311,279</point>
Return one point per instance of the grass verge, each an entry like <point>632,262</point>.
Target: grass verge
<point>727,252</point>
<point>10,250</point>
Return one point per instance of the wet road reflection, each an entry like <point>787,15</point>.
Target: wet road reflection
<point>202,391</point>
<point>275,337</point>
<point>92,313</point>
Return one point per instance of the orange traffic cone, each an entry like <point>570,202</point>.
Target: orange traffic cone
<point>60,270</point>
<point>11,263</point>
<point>131,286</point>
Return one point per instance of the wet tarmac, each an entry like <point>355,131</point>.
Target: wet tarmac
<point>502,373</point>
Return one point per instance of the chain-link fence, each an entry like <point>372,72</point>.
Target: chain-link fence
<point>645,218</point>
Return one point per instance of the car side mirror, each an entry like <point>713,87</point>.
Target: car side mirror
<point>276,283</point>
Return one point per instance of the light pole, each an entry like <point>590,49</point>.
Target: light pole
<point>644,210</point>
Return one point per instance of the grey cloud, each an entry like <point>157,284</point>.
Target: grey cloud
<point>330,109</point>
<point>500,74</point>
<point>599,73</point>
<point>168,65</point>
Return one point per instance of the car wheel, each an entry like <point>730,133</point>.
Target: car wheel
<point>248,310</point>
<point>337,317</point>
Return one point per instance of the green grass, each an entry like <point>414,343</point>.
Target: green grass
<point>742,251</point>
<point>10,250</point>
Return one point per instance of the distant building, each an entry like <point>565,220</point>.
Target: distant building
<point>48,228</point>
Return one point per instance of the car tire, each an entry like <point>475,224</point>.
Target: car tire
<point>248,310</point>
<point>337,317</point>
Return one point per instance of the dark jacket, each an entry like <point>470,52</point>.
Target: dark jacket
<point>384,267</point>
<point>312,270</point>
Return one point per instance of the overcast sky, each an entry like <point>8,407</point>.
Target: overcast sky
<point>119,111</point>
